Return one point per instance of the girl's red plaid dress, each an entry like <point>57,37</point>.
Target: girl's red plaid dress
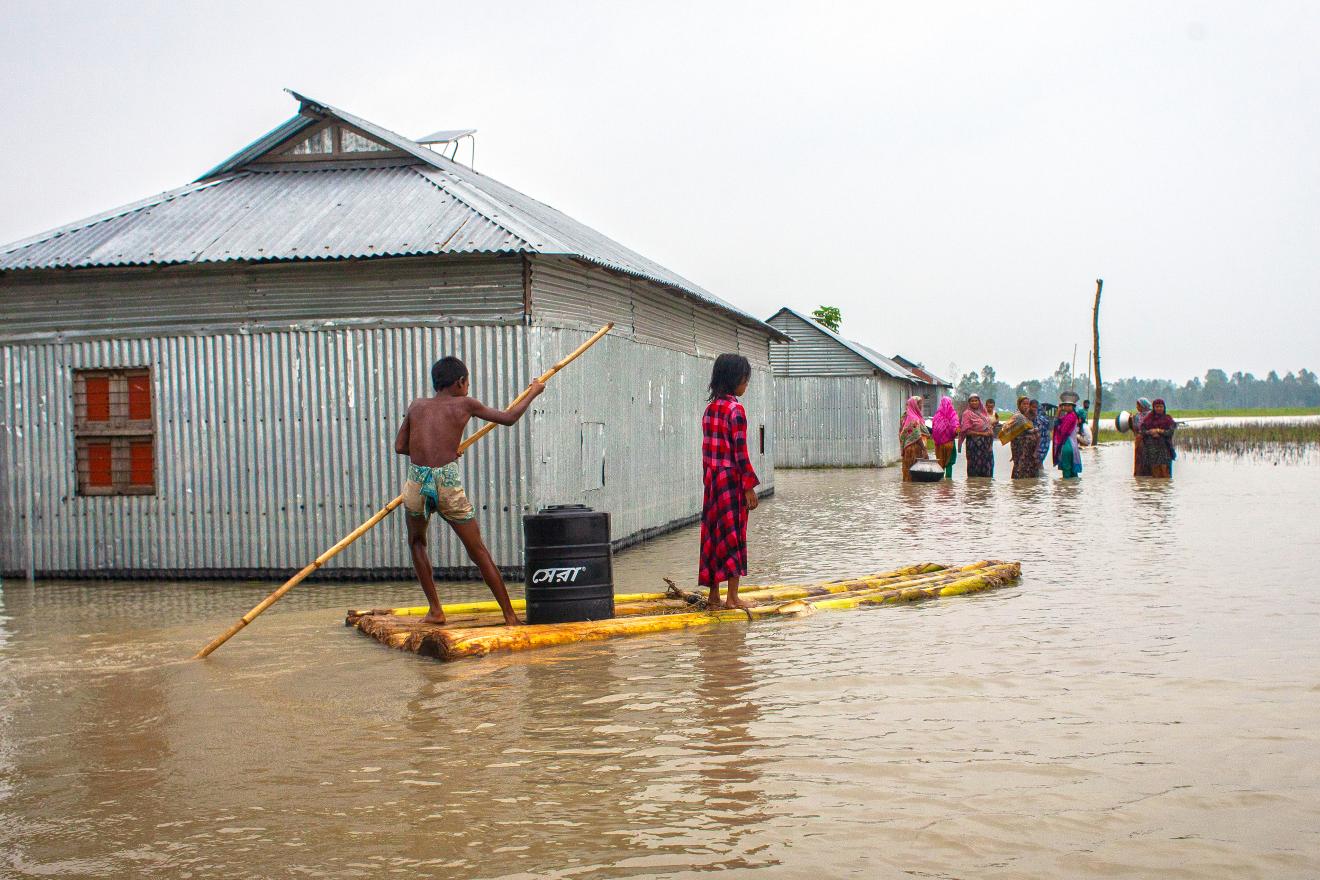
<point>728,476</point>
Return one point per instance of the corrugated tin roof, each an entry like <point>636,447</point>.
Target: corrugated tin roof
<point>240,211</point>
<point>877,360</point>
<point>921,372</point>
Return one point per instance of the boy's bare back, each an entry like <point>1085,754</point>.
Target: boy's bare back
<point>433,427</point>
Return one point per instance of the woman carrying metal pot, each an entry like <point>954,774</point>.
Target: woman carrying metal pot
<point>1156,433</point>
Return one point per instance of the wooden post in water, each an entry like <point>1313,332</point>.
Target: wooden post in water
<point>1099,386</point>
<point>383,512</point>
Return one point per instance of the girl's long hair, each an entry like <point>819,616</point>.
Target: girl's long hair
<point>729,372</point>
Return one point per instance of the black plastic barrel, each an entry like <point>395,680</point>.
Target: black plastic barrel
<point>568,564</point>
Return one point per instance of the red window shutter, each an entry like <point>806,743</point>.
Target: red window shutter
<point>100,471</point>
<point>98,398</point>
<point>141,463</point>
<point>139,397</point>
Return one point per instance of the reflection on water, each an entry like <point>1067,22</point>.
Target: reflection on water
<point>1144,701</point>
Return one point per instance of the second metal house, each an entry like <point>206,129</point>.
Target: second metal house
<point>837,402</point>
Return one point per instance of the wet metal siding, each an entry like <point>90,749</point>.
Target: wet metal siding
<point>647,401</point>
<point>833,407</point>
<point>643,388</point>
<point>269,448</point>
<point>893,396</point>
<point>570,293</point>
<point>812,353</point>
<point>193,299</point>
<point>828,421</point>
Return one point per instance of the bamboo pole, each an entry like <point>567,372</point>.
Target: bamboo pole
<point>386,510</point>
<point>1099,386</point>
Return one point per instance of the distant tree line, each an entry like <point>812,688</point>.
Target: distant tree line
<point>1217,390</point>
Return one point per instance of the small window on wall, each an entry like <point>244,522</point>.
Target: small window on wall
<point>113,432</point>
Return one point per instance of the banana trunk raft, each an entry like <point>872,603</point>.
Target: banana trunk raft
<point>474,629</point>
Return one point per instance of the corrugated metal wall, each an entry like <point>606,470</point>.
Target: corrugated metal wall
<point>189,299</point>
<point>827,421</point>
<point>570,293</point>
<point>645,384</point>
<point>269,448</point>
<point>812,353</point>
<point>272,444</point>
<point>650,401</point>
<point>893,396</point>
<point>838,421</point>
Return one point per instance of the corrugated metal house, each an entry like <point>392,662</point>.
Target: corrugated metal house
<point>837,402</point>
<point>930,386</point>
<point>208,382</point>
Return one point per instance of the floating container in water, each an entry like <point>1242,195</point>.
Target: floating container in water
<point>926,470</point>
<point>568,564</point>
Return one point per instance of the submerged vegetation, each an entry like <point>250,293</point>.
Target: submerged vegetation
<point>1282,440</point>
<point>1251,412</point>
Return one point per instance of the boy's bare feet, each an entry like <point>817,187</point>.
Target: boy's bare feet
<point>512,620</point>
<point>734,604</point>
<point>436,616</point>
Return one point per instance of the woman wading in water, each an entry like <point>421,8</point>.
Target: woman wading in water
<point>730,482</point>
<point>1139,466</point>
<point>1025,443</point>
<point>912,436</point>
<point>1067,450</point>
<point>977,437</point>
<point>944,431</point>
<point>1156,433</point>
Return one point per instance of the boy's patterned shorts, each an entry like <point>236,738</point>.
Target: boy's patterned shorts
<point>437,489</point>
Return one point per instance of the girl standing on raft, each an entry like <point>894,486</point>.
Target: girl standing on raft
<point>977,436</point>
<point>912,436</point>
<point>1156,433</point>
<point>1067,451</point>
<point>944,430</point>
<point>730,482</point>
<point>1139,466</point>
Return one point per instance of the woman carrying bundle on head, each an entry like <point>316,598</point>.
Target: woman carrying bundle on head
<point>1139,466</point>
<point>944,431</point>
<point>912,436</point>
<point>1025,438</point>
<point>977,437</point>
<point>730,482</point>
<point>1156,432</point>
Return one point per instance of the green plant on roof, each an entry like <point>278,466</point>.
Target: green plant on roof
<point>829,316</point>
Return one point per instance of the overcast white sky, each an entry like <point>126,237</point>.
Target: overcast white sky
<point>953,177</point>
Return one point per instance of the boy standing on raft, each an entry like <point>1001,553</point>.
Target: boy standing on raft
<point>429,436</point>
<point>730,482</point>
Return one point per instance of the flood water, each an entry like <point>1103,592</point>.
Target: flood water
<point>1145,701</point>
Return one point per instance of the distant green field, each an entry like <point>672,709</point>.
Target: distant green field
<point>1228,413</point>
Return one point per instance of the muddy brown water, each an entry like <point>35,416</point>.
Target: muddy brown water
<point>1145,701</point>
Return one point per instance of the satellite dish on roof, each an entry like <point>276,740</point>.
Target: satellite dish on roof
<point>440,141</point>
